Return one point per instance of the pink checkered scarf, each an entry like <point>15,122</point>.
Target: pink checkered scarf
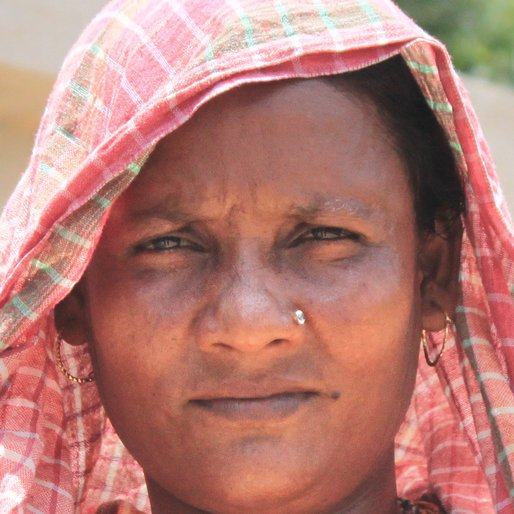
<point>137,73</point>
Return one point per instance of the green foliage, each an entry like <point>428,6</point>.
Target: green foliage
<point>478,33</point>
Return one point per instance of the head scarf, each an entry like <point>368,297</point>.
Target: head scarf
<point>139,71</point>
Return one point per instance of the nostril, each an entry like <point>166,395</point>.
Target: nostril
<point>223,346</point>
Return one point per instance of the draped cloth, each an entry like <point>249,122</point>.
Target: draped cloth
<point>139,71</point>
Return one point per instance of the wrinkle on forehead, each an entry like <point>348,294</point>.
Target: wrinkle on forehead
<point>318,207</point>
<point>274,150</point>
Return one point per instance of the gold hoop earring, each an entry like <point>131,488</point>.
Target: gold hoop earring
<point>447,322</point>
<point>64,371</point>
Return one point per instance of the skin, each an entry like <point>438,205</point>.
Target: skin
<point>272,198</point>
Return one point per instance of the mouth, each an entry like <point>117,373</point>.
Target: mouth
<point>273,407</point>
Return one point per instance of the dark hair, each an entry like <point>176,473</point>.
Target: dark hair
<point>417,136</point>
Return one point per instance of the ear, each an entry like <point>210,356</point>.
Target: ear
<point>70,317</point>
<point>439,258</point>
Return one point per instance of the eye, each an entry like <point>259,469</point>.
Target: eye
<point>166,243</point>
<point>323,233</point>
<point>328,234</point>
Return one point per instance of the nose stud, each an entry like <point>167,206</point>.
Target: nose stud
<point>299,317</point>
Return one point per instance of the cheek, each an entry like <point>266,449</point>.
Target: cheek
<point>140,338</point>
<point>139,304</point>
<point>367,319</point>
<point>375,291</point>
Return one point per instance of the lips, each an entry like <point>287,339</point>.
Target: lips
<point>255,401</point>
<point>268,408</point>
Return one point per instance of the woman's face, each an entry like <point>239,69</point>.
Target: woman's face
<point>272,198</point>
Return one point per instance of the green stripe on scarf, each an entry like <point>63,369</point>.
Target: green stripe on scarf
<point>325,16</point>
<point>370,12</point>
<point>209,52</point>
<point>456,146</point>
<point>24,308</point>
<point>73,237</point>
<point>102,201</point>
<point>423,68</point>
<point>66,133</point>
<point>284,18</point>
<point>495,431</point>
<point>52,273</point>
<point>439,106</point>
<point>134,167</point>
<point>79,90</point>
<point>247,25</point>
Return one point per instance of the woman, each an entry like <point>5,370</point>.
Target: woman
<point>248,264</point>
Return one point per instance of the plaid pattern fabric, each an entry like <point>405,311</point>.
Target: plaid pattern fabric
<point>139,71</point>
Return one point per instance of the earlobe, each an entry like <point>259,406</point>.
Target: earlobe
<point>70,317</point>
<point>439,258</point>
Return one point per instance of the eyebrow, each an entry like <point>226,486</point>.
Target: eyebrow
<point>322,205</point>
<point>319,206</point>
<point>164,211</point>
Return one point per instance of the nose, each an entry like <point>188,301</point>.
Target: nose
<point>248,312</point>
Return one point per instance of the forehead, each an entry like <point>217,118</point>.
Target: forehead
<point>290,142</point>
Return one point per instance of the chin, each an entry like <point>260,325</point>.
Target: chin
<point>253,483</point>
<point>268,492</point>
<point>255,494</point>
